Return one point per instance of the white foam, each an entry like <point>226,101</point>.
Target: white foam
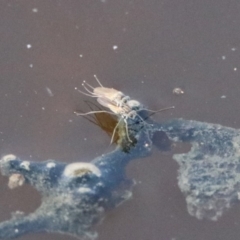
<point>80,169</point>
<point>25,165</point>
<point>9,157</point>
<point>51,165</point>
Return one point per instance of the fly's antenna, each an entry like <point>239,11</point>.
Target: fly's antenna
<point>153,112</point>
<point>95,76</point>
<point>88,84</point>
<point>84,85</point>
<point>89,95</point>
<point>156,111</point>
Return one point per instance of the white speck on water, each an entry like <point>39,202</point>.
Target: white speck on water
<point>70,120</point>
<point>35,10</point>
<point>49,91</point>
<point>16,230</point>
<point>80,55</point>
<point>43,108</point>
<point>142,81</point>
<point>223,96</point>
<point>223,57</point>
<point>31,65</point>
<point>115,47</point>
<point>233,49</point>
<point>85,139</point>
<point>29,46</point>
<point>235,69</point>
<point>178,91</point>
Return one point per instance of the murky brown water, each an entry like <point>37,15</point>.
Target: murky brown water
<point>143,48</point>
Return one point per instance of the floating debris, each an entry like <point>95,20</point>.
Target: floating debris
<point>16,180</point>
<point>29,46</point>
<point>178,91</point>
<point>49,91</point>
<point>35,10</point>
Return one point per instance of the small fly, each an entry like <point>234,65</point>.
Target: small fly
<point>117,102</point>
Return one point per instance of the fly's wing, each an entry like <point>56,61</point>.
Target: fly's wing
<point>108,93</point>
<point>108,104</point>
<point>104,101</point>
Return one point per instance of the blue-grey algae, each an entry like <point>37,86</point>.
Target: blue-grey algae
<point>76,196</point>
<point>209,174</point>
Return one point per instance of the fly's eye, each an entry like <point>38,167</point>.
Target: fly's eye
<point>132,116</point>
<point>125,99</point>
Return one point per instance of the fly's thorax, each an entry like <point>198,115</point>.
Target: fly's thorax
<point>126,109</point>
<point>123,101</point>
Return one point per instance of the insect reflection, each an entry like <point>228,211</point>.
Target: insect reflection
<point>105,121</point>
<point>108,123</point>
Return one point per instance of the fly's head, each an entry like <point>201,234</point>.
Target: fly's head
<point>123,101</point>
<point>134,104</point>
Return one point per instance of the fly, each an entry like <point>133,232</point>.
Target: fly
<point>117,102</point>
